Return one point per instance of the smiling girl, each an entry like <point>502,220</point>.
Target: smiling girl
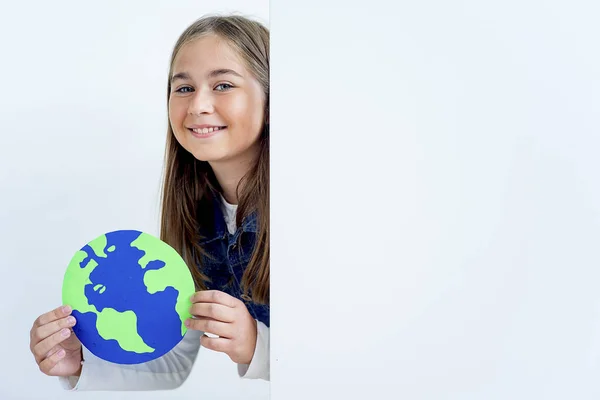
<point>215,213</point>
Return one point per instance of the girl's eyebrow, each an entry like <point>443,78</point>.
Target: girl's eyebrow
<point>223,71</point>
<point>180,75</point>
<point>211,74</point>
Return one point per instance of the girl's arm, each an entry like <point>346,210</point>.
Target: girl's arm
<point>259,367</point>
<point>164,373</point>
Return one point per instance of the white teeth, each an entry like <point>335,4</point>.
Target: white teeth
<point>204,131</point>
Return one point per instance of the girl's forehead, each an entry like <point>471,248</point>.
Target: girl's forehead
<point>207,52</point>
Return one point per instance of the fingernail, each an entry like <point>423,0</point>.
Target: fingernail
<point>61,353</point>
<point>65,332</point>
<point>71,320</point>
<point>66,309</point>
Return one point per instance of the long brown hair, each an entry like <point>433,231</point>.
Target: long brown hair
<point>189,184</point>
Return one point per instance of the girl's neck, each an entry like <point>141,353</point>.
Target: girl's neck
<point>229,174</point>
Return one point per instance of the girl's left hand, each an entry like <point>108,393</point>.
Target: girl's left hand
<point>227,317</point>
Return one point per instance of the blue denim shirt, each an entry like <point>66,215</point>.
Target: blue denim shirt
<point>228,260</point>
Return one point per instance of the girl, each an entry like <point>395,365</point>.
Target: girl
<point>215,213</point>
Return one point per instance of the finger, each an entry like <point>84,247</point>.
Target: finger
<point>215,296</point>
<point>49,363</point>
<point>53,350</point>
<point>41,350</point>
<point>214,311</point>
<point>217,344</point>
<point>57,313</point>
<point>215,327</point>
<point>44,331</point>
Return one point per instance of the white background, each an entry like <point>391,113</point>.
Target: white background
<point>83,127</point>
<point>435,196</point>
<point>435,200</point>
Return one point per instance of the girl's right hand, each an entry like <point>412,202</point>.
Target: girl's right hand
<point>56,349</point>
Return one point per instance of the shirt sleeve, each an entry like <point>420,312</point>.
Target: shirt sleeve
<point>259,367</point>
<point>164,373</point>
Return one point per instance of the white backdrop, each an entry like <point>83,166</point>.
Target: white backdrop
<point>435,200</point>
<point>435,197</point>
<point>83,127</point>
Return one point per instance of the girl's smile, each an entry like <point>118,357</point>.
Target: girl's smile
<point>205,131</point>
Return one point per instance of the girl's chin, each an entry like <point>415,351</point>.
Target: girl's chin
<point>205,154</point>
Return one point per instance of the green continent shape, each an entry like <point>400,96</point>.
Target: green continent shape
<point>175,273</point>
<point>121,326</point>
<point>76,278</point>
<point>98,245</point>
<point>74,283</point>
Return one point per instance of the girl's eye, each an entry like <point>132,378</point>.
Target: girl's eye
<point>184,89</point>
<point>223,86</point>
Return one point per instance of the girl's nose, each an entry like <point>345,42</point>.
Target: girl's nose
<point>201,103</point>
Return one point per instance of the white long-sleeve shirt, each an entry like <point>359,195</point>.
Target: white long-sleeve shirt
<point>173,368</point>
<point>164,373</point>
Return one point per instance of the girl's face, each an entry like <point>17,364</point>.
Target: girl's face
<point>216,106</point>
